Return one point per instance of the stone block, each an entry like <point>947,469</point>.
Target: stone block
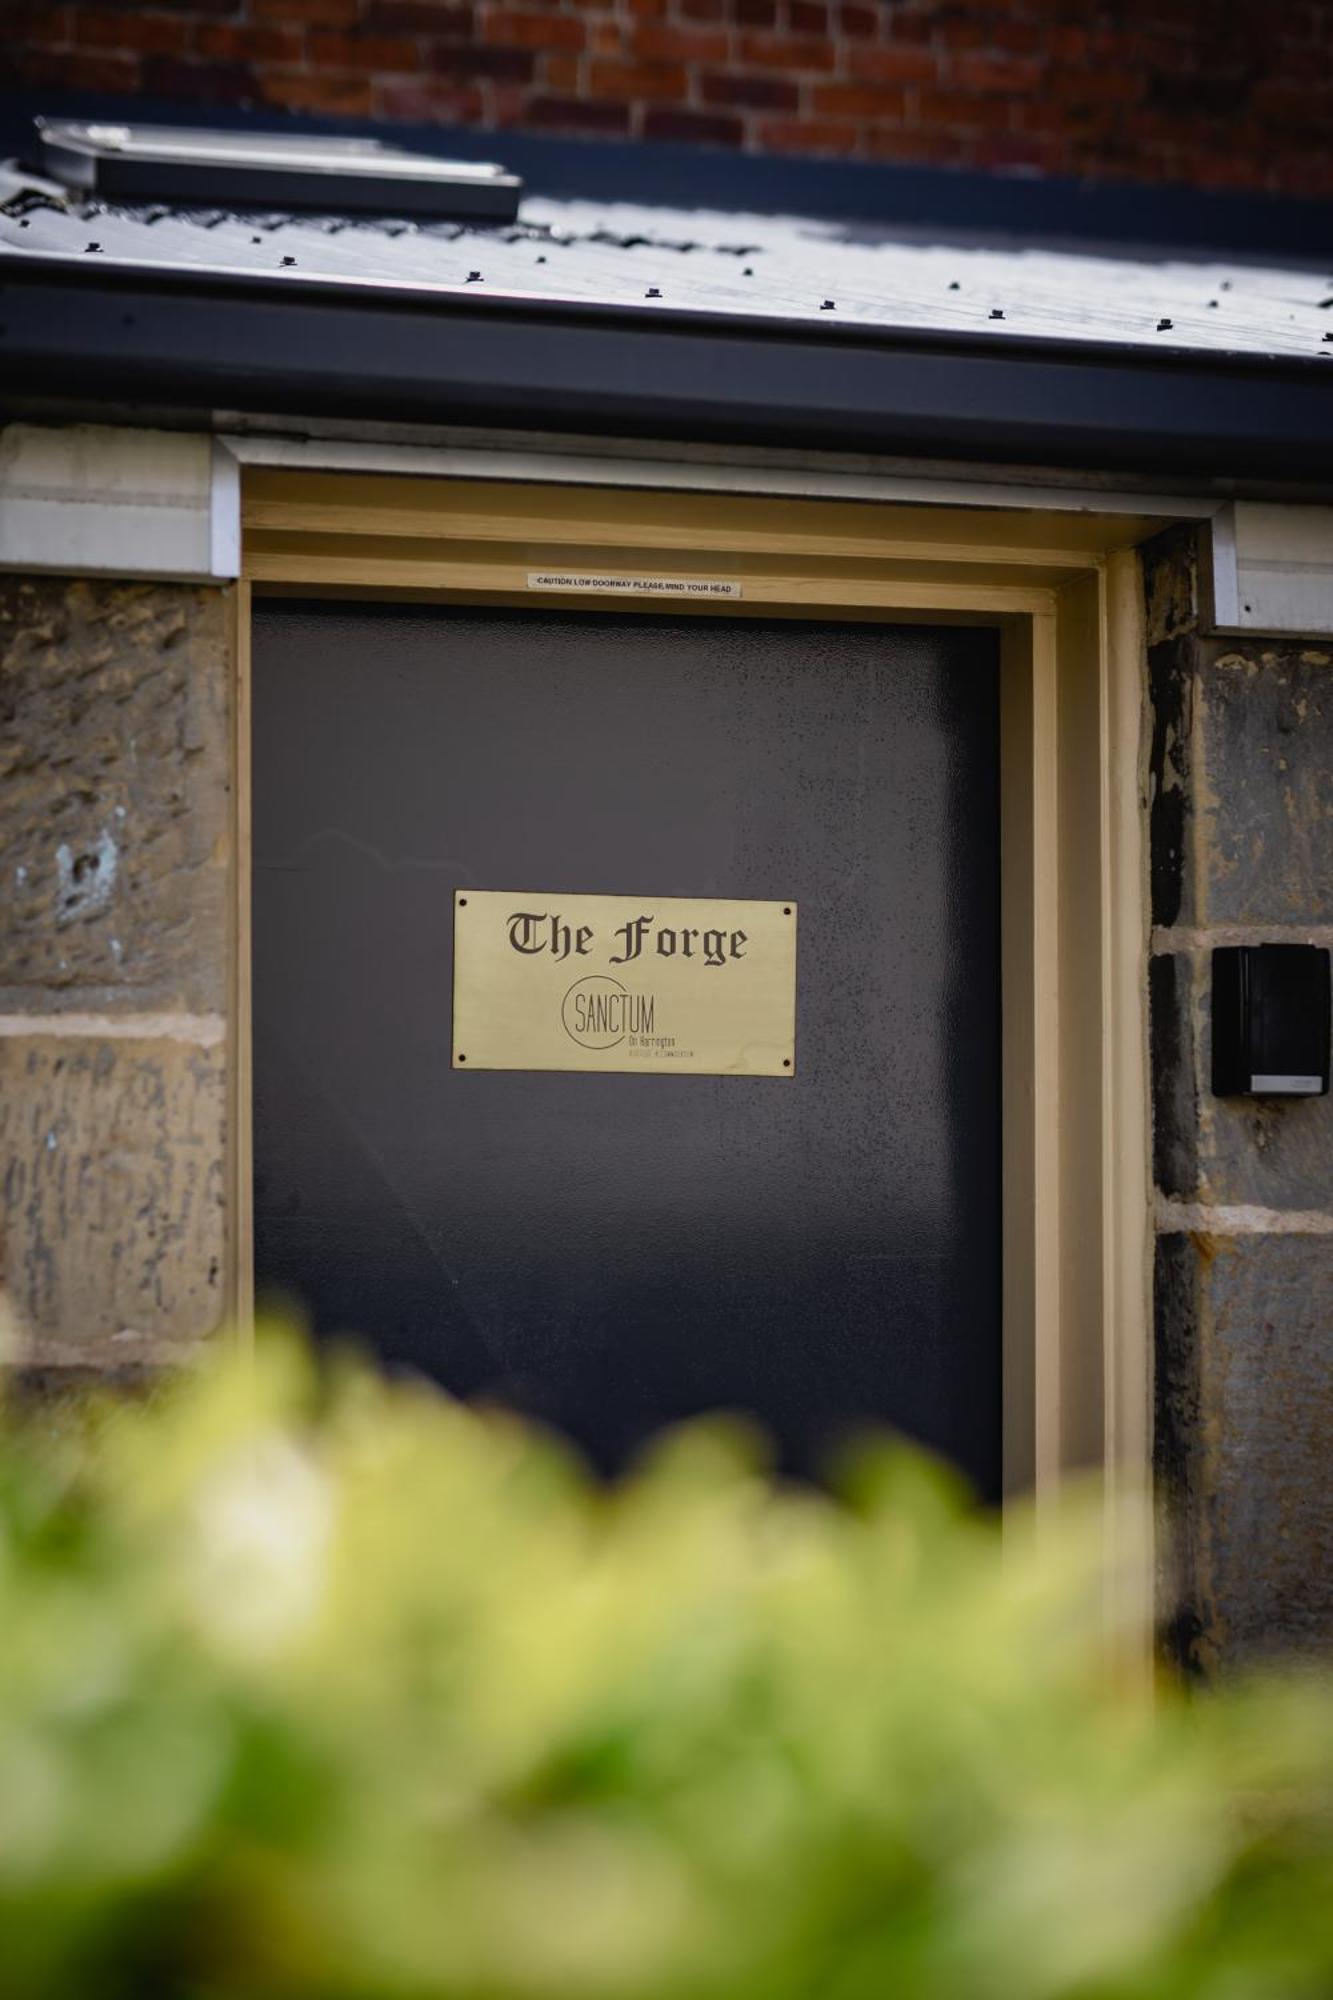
<point>1244,1420</point>
<point>1270,1152</point>
<point>1262,783</point>
<point>114,774</point>
<point>111,1203</point>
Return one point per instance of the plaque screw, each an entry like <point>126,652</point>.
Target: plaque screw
<point>786,1062</point>
<point>786,909</point>
<point>462,902</point>
<point>462,1057</point>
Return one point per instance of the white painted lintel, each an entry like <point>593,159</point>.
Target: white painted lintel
<point>103,500</point>
<point>1270,571</point>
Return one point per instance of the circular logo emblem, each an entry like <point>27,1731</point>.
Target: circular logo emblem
<point>594,1012</point>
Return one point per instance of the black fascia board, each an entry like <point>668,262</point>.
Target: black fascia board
<point>118,335</point>
<point>932,201</point>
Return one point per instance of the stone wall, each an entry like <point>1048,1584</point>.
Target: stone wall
<point>1241,807</point>
<point>114,854</point>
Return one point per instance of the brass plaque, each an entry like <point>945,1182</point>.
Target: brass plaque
<point>659,984</point>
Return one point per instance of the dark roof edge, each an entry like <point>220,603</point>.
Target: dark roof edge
<point>1032,207</point>
<point>125,339</point>
<point>338,292</point>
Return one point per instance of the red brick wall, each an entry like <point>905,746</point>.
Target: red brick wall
<point>1235,93</point>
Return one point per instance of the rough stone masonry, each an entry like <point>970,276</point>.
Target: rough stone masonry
<point>114,776</point>
<point>1241,806</point>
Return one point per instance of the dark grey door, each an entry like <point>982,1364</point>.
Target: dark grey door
<point>613,1252</point>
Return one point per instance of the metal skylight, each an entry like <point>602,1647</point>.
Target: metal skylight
<point>271,170</point>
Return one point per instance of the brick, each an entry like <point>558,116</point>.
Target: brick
<point>111,1209</point>
<point>674,44</point>
<point>346,96</point>
<point>695,127</point>
<point>335,50</point>
<point>854,100</point>
<point>1012,75</point>
<point>242,41</point>
<point>113,847</point>
<point>136,33</point>
<point>505,65</point>
<point>321,13</point>
<point>63,69</point>
<point>559,72</point>
<point>577,114</point>
<point>642,82</point>
<point>787,52</point>
<point>198,82</point>
<point>894,65</point>
<point>702,10</point>
<point>808,17</point>
<point>419,17</point>
<point>858,23</point>
<point>531,30</point>
<point>755,13</point>
<point>959,110</point>
<point>749,93</point>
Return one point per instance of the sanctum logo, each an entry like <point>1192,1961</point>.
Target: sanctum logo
<point>597,1012</point>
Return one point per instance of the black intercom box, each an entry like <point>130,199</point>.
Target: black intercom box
<point>1270,1020</point>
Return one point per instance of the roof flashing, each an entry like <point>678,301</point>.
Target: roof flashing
<point>271,170</point>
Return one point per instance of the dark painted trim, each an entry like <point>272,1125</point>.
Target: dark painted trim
<point>932,201</point>
<point>109,334</point>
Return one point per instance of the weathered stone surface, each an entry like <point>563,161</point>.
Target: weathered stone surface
<point>111,1203</point>
<point>1263,784</point>
<point>1273,1152</point>
<point>114,761</point>
<point>1245,1419</point>
<point>1178,1473</point>
<point>1241,830</point>
<point>1175,1123</point>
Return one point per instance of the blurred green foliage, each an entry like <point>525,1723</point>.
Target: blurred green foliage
<point>315,1686</point>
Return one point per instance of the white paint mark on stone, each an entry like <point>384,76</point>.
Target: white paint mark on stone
<point>1238,1219</point>
<point>1168,938</point>
<point>204,1031</point>
<point>85,880</point>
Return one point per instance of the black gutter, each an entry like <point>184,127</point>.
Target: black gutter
<point>200,341</point>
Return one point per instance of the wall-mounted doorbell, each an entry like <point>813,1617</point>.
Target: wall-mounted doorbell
<point>1270,1020</point>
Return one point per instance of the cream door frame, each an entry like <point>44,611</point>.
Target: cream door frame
<point>1064,590</point>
